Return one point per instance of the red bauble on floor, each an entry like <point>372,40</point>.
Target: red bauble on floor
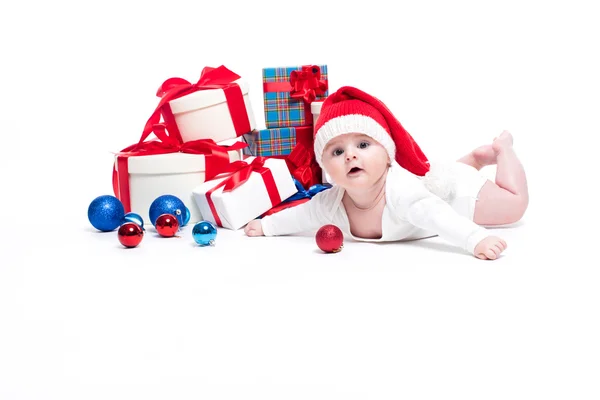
<point>166,225</point>
<point>130,234</point>
<point>330,238</point>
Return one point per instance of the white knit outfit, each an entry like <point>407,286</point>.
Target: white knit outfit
<point>412,210</point>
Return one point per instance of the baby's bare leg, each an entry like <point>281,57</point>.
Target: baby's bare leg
<point>480,157</point>
<point>505,201</point>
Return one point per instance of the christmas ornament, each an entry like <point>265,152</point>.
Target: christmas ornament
<point>106,213</point>
<point>167,204</point>
<point>330,239</point>
<point>204,233</point>
<point>130,234</point>
<point>187,216</point>
<point>166,225</point>
<point>135,218</point>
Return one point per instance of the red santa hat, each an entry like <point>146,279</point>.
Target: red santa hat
<point>350,110</point>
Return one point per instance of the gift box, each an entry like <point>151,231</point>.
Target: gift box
<point>140,177</point>
<point>301,196</point>
<point>315,108</point>
<point>276,141</point>
<point>216,107</point>
<point>288,92</point>
<point>247,190</point>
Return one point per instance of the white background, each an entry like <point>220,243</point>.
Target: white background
<point>272,318</point>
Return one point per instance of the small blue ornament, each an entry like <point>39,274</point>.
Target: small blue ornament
<point>186,218</point>
<point>204,233</point>
<point>106,213</point>
<point>135,218</point>
<point>167,204</point>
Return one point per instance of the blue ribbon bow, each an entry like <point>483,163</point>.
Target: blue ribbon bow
<point>307,193</point>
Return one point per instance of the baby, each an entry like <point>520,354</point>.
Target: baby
<point>386,190</point>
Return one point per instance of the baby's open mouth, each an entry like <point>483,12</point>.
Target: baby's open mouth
<point>355,170</point>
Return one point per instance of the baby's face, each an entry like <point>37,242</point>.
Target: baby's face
<point>355,161</point>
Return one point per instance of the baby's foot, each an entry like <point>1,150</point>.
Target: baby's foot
<point>484,155</point>
<point>504,141</point>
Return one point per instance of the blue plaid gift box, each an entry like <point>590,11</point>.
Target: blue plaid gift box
<point>288,92</point>
<point>275,141</point>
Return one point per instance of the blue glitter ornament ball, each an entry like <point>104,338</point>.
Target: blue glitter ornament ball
<point>204,233</point>
<point>186,218</point>
<point>106,213</point>
<point>135,218</point>
<point>167,204</point>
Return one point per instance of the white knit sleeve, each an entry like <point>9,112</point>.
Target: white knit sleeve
<point>301,218</point>
<point>421,208</point>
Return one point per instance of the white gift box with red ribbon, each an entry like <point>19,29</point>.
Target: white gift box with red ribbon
<point>211,114</point>
<point>216,107</point>
<point>139,179</point>
<point>249,189</point>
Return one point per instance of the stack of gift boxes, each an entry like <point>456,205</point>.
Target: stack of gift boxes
<point>292,97</point>
<point>195,146</point>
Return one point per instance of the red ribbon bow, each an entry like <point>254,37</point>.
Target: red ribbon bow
<point>303,166</point>
<point>217,158</point>
<point>239,172</point>
<point>210,78</point>
<point>307,84</point>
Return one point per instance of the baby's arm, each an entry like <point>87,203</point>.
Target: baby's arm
<point>300,218</point>
<point>431,213</point>
<point>422,208</point>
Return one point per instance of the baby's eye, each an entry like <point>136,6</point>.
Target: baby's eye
<point>363,145</point>
<point>338,152</point>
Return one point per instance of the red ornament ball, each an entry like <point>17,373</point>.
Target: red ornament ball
<point>330,239</point>
<point>166,225</point>
<point>130,234</point>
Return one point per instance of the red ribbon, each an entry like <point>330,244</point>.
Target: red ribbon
<point>307,84</point>
<point>303,166</point>
<point>238,173</point>
<point>304,135</point>
<point>284,206</point>
<point>300,156</point>
<point>210,78</point>
<point>217,158</point>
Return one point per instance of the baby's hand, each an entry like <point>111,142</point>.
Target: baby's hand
<point>254,228</point>
<point>490,248</point>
